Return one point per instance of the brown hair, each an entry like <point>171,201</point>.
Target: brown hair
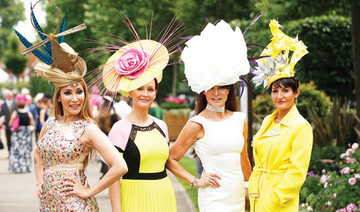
<point>85,112</point>
<point>104,116</point>
<point>231,103</point>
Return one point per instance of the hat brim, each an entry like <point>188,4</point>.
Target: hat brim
<point>159,58</point>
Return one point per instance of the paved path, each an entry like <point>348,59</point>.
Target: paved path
<point>17,191</point>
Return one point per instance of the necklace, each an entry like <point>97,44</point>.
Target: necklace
<point>215,109</point>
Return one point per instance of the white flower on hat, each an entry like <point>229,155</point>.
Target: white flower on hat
<point>218,56</point>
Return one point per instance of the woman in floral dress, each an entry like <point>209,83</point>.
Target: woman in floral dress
<point>66,140</point>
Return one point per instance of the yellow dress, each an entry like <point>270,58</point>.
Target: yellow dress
<point>282,156</point>
<point>146,186</point>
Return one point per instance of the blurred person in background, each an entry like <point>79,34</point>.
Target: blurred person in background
<point>44,111</point>
<point>122,107</point>
<point>20,152</point>
<point>106,118</point>
<point>6,110</point>
<point>38,105</point>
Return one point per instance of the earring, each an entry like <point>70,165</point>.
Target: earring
<point>296,101</point>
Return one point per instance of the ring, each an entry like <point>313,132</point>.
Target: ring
<point>212,178</point>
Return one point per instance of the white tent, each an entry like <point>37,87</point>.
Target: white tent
<point>4,77</point>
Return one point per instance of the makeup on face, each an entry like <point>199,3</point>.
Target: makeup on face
<point>72,99</point>
<point>283,97</point>
<point>144,95</point>
<point>217,95</point>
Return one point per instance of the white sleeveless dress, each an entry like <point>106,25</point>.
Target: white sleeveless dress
<point>220,152</point>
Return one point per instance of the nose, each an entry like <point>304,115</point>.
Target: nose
<point>74,98</point>
<point>216,91</point>
<point>280,94</point>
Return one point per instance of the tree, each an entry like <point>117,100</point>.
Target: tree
<point>13,60</point>
<point>11,12</point>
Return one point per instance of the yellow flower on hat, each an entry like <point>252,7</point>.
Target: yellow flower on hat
<point>280,46</point>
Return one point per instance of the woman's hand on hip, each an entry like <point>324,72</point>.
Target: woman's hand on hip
<point>208,179</point>
<point>73,187</point>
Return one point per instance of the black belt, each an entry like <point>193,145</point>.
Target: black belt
<point>144,176</point>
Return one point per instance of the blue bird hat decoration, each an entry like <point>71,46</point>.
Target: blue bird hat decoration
<point>59,64</point>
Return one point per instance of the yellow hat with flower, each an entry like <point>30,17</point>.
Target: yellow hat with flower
<point>278,64</point>
<point>136,63</point>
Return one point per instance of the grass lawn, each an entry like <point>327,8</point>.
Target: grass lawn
<point>190,166</point>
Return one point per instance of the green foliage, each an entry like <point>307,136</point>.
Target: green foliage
<point>330,60</point>
<point>326,157</point>
<point>311,186</point>
<point>338,189</point>
<point>40,85</point>
<point>11,12</point>
<point>14,87</point>
<point>311,97</point>
<point>335,127</point>
<point>293,10</point>
<point>174,105</point>
<point>262,106</point>
<point>13,60</point>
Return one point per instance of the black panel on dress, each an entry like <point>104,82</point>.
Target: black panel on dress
<point>132,156</point>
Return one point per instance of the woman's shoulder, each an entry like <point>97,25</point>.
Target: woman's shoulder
<point>239,114</point>
<point>120,132</point>
<point>50,122</point>
<point>301,122</point>
<point>198,119</point>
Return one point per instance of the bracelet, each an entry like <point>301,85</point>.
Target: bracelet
<point>246,184</point>
<point>192,185</point>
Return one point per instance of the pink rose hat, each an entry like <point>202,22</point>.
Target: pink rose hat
<point>136,63</point>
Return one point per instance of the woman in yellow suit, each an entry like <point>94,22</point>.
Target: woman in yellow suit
<point>282,147</point>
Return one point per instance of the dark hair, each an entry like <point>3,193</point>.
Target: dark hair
<point>231,103</point>
<point>291,82</point>
<point>156,84</point>
<point>20,104</point>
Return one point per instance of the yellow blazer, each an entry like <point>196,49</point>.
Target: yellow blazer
<point>280,170</point>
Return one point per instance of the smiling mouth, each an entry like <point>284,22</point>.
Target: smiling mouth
<point>216,99</point>
<point>75,106</point>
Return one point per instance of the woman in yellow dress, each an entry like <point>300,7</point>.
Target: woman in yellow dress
<point>282,147</point>
<point>134,70</point>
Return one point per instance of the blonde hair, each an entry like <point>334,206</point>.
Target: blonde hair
<point>85,112</point>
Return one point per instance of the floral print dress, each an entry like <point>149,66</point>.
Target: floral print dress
<point>63,156</point>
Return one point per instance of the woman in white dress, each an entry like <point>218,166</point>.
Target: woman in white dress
<point>217,132</point>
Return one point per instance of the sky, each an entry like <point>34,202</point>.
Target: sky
<point>25,27</point>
